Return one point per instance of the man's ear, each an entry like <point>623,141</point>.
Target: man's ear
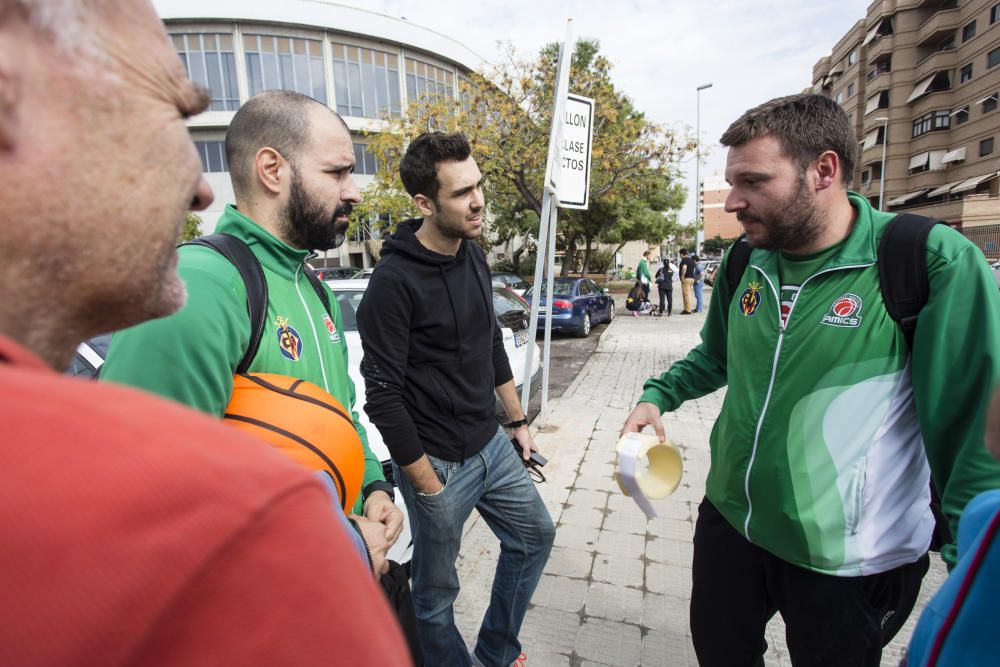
<point>271,170</point>
<point>10,93</point>
<point>827,167</point>
<point>425,204</point>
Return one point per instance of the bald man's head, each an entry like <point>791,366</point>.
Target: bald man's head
<point>277,119</point>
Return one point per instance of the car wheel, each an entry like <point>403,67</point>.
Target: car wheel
<point>585,329</point>
<point>611,312</point>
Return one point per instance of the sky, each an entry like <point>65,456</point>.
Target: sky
<point>662,51</point>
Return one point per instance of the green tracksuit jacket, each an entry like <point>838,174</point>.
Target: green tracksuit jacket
<point>191,356</point>
<point>820,453</point>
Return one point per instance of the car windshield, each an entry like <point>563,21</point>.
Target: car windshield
<point>561,287</point>
<point>505,302</point>
<point>349,300</point>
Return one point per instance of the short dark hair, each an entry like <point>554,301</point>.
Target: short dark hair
<point>806,126</point>
<point>278,119</point>
<point>418,168</point>
<point>684,251</point>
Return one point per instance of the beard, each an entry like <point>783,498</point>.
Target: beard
<point>791,223</point>
<point>308,225</point>
<point>455,228</point>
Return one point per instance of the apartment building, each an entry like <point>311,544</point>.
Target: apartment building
<point>712,201</point>
<point>920,81</point>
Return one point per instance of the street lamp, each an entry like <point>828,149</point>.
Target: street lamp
<point>697,153</point>
<point>885,142</point>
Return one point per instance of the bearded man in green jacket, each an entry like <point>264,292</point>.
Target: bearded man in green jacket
<point>291,161</point>
<point>817,498</point>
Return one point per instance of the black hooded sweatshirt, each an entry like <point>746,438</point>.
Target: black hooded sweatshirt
<point>433,352</point>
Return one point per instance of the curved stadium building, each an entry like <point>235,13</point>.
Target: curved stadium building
<point>363,64</point>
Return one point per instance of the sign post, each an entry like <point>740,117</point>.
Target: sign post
<point>567,185</point>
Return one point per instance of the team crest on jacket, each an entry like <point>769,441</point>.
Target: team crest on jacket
<point>331,328</point>
<point>289,340</point>
<point>844,312</point>
<point>750,299</point>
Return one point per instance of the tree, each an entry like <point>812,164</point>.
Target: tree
<point>506,114</point>
<point>716,245</point>
<point>192,227</point>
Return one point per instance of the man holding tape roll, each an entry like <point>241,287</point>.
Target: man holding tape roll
<point>818,498</point>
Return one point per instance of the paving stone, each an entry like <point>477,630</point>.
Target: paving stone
<point>585,498</point>
<point>667,649</point>
<point>570,562</point>
<point>624,545</point>
<point>661,612</point>
<point>596,468</point>
<point>552,630</point>
<point>619,570</point>
<point>627,521</point>
<point>560,593</point>
<point>609,642</point>
<point>586,517</point>
<point>614,603</point>
<point>596,483</point>
<point>576,537</point>
<point>674,552</point>
<point>673,529</point>
<point>669,580</point>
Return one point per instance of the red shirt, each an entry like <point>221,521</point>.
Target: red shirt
<point>137,531</point>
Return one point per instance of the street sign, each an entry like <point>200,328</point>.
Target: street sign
<point>571,176</point>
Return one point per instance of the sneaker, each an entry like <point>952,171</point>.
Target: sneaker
<point>522,661</point>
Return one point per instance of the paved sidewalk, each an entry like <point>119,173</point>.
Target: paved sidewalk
<point>617,587</point>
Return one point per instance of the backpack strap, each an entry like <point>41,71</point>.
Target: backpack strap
<point>902,269</point>
<point>239,255</point>
<point>736,263</point>
<point>321,291</point>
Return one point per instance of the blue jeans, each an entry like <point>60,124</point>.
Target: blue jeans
<point>698,286</point>
<point>495,482</point>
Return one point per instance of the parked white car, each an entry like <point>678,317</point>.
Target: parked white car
<point>512,315</point>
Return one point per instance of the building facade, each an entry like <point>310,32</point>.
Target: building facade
<point>920,81</point>
<point>713,192</point>
<point>365,65</point>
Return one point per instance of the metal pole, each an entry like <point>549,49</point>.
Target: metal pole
<point>547,226</point>
<point>697,157</point>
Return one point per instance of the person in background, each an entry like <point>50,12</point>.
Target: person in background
<point>665,284</point>
<point>687,271</point>
<point>642,274</point>
<point>699,283</point>
<point>958,625</point>
<point>135,530</point>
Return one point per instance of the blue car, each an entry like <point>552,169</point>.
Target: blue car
<point>579,303</point>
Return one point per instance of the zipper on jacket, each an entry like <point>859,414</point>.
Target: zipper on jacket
<point>312,325</point>
<point>774,371</point>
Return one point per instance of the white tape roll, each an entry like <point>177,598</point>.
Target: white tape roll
<point>647,469</point>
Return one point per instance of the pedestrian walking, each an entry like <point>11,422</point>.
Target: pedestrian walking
<point>818,500</point>
<point>699,283</point>
<point>642,274</point>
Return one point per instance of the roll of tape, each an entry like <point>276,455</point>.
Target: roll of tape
<point>647,469</point>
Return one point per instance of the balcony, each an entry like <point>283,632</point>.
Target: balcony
<point>938,26</point>
<point>942,60</point>
<point>880,47</point>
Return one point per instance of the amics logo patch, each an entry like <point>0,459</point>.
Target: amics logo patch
<point>845,312</point>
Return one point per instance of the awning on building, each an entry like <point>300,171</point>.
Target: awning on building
<point>869,139</point>
<point>902,199</point>
<point>872,103</point>
<point>919,160</point>
<point>837,69</point>
<point>944,189</point>
<point>921,88</point>
<point>956,155</point>
<point>871,34</point>
<point>972,183</point>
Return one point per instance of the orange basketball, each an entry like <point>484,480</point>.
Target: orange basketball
<point>304,423</point>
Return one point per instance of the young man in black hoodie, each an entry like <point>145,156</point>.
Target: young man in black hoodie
<point>433,356</point>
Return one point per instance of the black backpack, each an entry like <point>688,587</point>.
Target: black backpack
<point>902,273</point>
<point>240,256</point>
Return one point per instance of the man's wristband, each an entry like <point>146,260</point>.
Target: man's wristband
<point>378,485</point>
<point>518,423</point>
